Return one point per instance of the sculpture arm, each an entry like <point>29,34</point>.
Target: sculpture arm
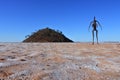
<point>90,25</point>
<point>99,25</point>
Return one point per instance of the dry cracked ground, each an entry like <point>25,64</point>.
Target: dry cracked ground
<point>59,61</point>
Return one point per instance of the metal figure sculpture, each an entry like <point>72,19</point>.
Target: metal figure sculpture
<point>94,25</point>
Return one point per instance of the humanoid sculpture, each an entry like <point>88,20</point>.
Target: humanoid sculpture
<point>94,25</point>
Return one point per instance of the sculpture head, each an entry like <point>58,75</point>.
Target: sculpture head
<point>94,19</point>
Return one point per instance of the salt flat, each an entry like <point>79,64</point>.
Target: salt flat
<point>59,61</point>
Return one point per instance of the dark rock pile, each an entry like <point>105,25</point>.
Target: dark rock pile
<point>47,35</point>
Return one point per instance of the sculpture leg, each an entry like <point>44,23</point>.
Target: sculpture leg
<point>93,36</point>
<point>97,36</point>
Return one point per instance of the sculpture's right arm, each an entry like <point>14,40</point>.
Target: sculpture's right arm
<point>89,26</point>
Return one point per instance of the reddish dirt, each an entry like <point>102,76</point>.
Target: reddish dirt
<point>59,61</point>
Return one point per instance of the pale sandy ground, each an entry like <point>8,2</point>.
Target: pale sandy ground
<point>59,61</point>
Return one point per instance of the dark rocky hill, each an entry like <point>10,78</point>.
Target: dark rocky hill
<point>47,35</point>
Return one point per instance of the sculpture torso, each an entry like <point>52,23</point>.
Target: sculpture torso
<point>94,25</point>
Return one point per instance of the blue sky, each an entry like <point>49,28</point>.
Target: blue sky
<point>19,18</point>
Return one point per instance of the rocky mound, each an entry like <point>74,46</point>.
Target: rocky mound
<point>47,35</point>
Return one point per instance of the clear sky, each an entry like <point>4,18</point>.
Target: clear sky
<point>19,18</point>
